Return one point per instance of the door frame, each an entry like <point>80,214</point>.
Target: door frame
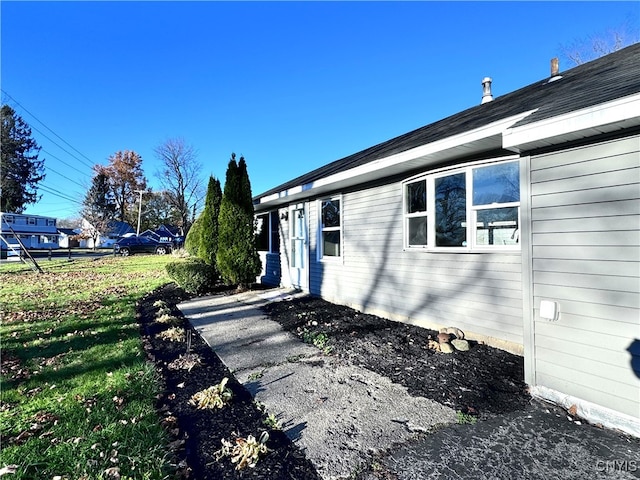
<point>299,265</point>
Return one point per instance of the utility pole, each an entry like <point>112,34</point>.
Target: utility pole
<point>139,211</point>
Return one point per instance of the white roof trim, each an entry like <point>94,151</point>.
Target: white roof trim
<point>622,109</point>
<point>486,131</point>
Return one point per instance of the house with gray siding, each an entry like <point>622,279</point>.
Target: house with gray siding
<point>34,231</point>
<point>517,220</point>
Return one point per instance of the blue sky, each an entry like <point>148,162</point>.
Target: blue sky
<point>289,85</point>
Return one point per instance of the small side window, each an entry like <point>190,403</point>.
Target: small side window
<point>262,232</point>
<point>331,227</point>
<point>416,213</point>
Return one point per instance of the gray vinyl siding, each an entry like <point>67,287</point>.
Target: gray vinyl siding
<point>585,244</point>
<point>480,293</point>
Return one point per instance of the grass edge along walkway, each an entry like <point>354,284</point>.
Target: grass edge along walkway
<point>78,397</point>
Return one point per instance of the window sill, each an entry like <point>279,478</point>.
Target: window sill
<point>497,249</point>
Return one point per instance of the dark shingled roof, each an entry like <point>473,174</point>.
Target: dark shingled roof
<point>605,79</point>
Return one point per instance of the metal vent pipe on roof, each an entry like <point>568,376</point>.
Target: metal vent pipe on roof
<point>486,90</point>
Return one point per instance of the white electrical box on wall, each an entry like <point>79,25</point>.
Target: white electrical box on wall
<point>548,310</point>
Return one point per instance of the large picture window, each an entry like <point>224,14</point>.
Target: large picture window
<point>330,228</point>
<point>451,210</point>
<point>475,207</point>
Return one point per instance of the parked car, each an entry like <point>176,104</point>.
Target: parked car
<point>130,245</point>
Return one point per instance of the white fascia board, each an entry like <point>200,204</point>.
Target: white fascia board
<point>285,193</point>
<point>618,110</point>
<point>439,146</point>
<point>486,131</point>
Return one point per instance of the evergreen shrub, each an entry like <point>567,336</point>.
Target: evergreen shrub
<point>192,241</point>
<point>193,275</point>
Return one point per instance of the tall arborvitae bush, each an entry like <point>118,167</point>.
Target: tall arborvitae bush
<point>208,220</point>
<point>192,240</point>
<point>237,258</point>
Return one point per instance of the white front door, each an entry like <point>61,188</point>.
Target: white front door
<point>299,241</point>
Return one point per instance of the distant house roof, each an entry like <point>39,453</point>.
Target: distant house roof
<point>172,229</point>
<point>483,128</point>
<point>67,231</point>
<point>162,231</point>
<point>150,233</point>
<point>114,228</point>
<point>17,223</point>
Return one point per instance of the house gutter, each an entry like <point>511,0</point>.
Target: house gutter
<point>607,117</point>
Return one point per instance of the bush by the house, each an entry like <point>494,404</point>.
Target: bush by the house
<point>192,241</point>
<point>208,223</point>
<point>193,275</point>
<point>237,257</point>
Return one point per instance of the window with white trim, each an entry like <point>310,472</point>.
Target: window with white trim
<point>31,221</point>
<point>267,234</point>
<point>330,241</point>
<point>8,219</point>
<point>51,222</point>
<point>471,208</point>
<point>416,213</point>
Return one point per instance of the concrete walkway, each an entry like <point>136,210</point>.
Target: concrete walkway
<point>342,415</point>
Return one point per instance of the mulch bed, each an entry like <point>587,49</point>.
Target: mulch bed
<point>482,381</point>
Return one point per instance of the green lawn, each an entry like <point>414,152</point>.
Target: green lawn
<point>77,398</point>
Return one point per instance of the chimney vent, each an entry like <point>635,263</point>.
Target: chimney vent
<point>486,90</point>
<point>555,70</point>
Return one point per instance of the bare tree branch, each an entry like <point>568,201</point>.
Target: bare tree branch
<point>180,177</point>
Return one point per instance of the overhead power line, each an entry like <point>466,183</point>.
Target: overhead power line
<point>64,176</point>
<point>62,148</point>
<point>67,164</point>
<point>90,165</point>
<point>59,194</point>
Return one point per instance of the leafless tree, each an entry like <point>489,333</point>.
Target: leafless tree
<point>601,44</point>
<point>179,176</point>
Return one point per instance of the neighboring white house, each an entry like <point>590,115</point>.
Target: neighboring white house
<point>34,231</point>
<point>68,237</point>
<point>517,220</point>
<point>106,239</point>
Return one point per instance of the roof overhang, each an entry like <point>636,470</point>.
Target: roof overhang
<point>505,134</point>
<point>604,118</point>
<point>484,139</point>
